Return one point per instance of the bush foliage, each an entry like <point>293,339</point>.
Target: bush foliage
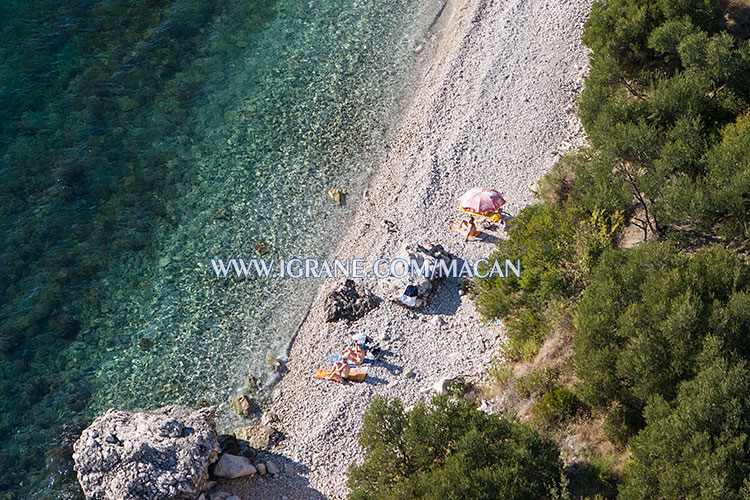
<point>538,382</point>
<point>556,406</point>
<point>645,317</point>
<point>557,249</point>
<point>661,329</point>
<point>449,450</point>
<point>697,445</point>
<point>661,86</point>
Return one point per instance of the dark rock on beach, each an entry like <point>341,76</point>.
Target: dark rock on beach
<point>156,455</point>
<point>347,303</point>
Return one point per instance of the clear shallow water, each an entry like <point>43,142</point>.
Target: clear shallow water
<point>138,140</point>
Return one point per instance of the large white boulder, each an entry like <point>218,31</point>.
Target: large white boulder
<point>156,455</point>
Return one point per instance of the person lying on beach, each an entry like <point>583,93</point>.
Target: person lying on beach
<point>340,371</point>
<point>469,227</point>
<point>355,354</point>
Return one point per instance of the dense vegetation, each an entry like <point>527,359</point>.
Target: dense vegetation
<point>450,450</point>
<point>641,239</point>
<point>696,446</point>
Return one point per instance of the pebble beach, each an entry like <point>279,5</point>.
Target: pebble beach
<point>495,108</point>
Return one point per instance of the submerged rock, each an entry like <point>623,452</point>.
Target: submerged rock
<point>335,196</point>
<point>254,382</point>
<point>347,303</point>
<point>156,455</point>
<point>242,405</point>
<point>66,325</point>
<point>262,247</point>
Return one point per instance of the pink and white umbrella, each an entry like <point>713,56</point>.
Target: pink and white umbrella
<point>481,200</point>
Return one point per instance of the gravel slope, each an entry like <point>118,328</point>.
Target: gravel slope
<point>495,109</point>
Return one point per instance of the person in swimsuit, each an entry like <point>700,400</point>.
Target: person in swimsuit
<point>469,226</point>
<point>355,354</point>
<point>340,371</point>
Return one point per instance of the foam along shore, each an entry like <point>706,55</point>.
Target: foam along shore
<point>494,109</point>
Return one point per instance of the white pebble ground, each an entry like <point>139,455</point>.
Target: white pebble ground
<point>495,109</point>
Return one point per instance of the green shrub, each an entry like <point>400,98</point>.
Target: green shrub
<point>556,184</point>
<point>537,383</point>
<point>595,477</point>
<point>542,236</point>
<point>557,248</point>
<point>697,446</point>
<point>499,371</point>
<point>663,81</point>
<point>620,424</point>
<point>556,406</point>
<point>665,38</point>
<point>645,316</point>
<point>450,450</point>
<point>726,190</point>
<point>521,350</point>
<point>621,27</point>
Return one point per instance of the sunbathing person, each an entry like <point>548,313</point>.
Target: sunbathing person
<point>340,371</point>
<point>469,227</point>
<point>466,226</point>
<point>355,354</point>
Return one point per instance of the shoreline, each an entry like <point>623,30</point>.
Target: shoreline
<point>495,108</point>
<point>410,86</point>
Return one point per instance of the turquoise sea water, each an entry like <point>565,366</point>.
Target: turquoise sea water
<point>141,139</point>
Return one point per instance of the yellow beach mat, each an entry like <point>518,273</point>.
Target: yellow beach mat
<point>492,216</point>
<point>354,376</point>
<point>478,235</point>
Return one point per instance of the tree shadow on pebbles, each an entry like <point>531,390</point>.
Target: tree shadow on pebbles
<point>289,483</point>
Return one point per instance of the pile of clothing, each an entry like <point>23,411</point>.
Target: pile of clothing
<point>414,289</point>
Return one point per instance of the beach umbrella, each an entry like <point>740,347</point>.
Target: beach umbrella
<point>481,200</point>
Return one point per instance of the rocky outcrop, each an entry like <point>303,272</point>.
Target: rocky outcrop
<point>156,455</point>
<point>228,444</point>
<point>347,303</point>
